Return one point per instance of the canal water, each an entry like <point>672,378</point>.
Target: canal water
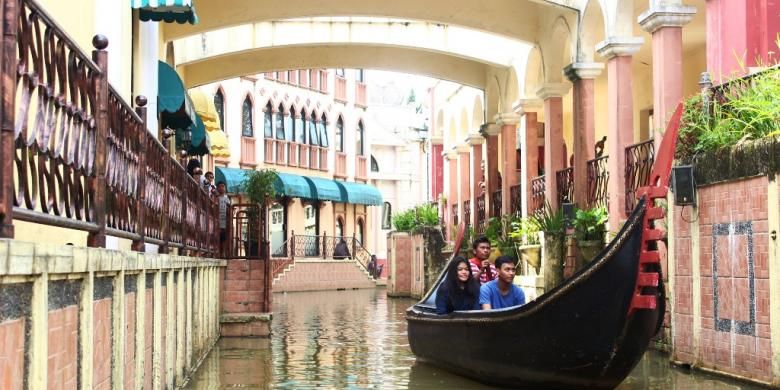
<point>357,340</point>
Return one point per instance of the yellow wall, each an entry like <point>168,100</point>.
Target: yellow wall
<point>75,17</point>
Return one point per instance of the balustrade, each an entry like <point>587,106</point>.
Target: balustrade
<point>639,163</point>
<point>565,183</point>
<point>324,159</point>
<point>481,220</point>
<point>293,154</point>
<point>598,182</point>
<point>77,156</point>
<point>304,156</point>
<point>248,151</point>
<point>340,90</point>
<point>281,148</point>
<point>269,148</point>
<point>361,99</point>
<point>341,165</point>
<point>495,204</point>
<point>538,188</point>
<point>361,168</point>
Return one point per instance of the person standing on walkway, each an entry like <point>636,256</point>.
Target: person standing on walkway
<point>224,206</point>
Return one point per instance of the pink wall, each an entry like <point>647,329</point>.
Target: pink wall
<point>437,171</point>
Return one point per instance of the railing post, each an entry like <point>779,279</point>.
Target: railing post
<point>292,244</point>
<point>10,10</point>
<point>184,212</point>
<point>98,187</point>
<point>138,245</point>
<point>324,245</point>
<point>354,246</point>
<point>166,212</point>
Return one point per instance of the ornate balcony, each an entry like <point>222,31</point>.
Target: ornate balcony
<point>361,168</point>
<point>598,182</point>
<point>269,149</point>
<point>639,164</point>
<point>248,151</point>
<point>564,180</point>
<point>537,194</point>
<point>341,165</point>
<point>361,99</point>
<point>516,199</point>
<point>481,220</point>
<point>495,204</point>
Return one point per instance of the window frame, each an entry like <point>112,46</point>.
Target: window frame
<point>268,121</point>
<point>220,108</point>
<point>247,109</point>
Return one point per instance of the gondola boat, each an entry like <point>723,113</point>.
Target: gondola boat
<point>588,332</point>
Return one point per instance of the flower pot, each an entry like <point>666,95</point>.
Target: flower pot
<point>552,260</point>
<point>531,255</point>
<point>587,251</point>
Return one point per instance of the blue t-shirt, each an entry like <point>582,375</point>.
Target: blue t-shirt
<point>489,293</point>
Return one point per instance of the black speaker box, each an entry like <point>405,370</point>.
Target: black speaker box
<point>683,185</point>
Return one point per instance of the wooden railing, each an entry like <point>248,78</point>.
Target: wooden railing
<point>361,168</point>
<point>639,163</point>
<point>248,151</point>
<point>341,165</point>
<point>340,90</point>
<point>537,194</point>
<point>361,98</point>
<point>598,182</point>
<point>564,180</point>
<point>77,156</point>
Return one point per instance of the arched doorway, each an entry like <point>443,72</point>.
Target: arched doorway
<point>359,231</point>
<point>339,227</point>
<point>277,229</point>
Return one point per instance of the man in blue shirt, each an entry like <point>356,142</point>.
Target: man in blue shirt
<point>501,292</point>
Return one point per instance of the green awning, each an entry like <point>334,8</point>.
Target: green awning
<point>169,11</point>
<point>326,189</point>
<point>359,193</point>
<point>173,104</point>
<point>198,146</point>
<point>286,184</point>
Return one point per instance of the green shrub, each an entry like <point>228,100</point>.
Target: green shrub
<point>589,225</point>
<point>418,216</point>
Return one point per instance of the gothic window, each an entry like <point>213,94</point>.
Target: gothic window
<point>340,135</point>
<point>268,121</point>
<point>359,139</point>
<point>219,105</point>
<point>374,164</point>
<point>247,128</point>
<point>280,123</point>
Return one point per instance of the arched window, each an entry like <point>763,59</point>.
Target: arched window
<point>374,164</point>
<point>387,216</point>
<point>340,135</point>
<point>294,129</point>
<point>288,126</point>
<point>359,231</point>
<point>314,138</point>
<point>322,130</point>
<point>268,121</point>
<point>359,139</point>
<point>339,227</point>
<point>301,126</point>
<point>247,127</point>
<point>219,105</point>
<point>280,123</point>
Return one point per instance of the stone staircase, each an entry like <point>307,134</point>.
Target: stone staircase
<point>311,274</point>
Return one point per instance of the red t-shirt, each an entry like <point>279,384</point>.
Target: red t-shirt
<point>476,269</point>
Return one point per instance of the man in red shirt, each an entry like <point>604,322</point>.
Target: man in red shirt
<point>479,263</point>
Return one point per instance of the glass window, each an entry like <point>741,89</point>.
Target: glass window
<point>340,72</point>
<point>247,127</point>
<point>322,130</point>
<point>219,105</point>
<point>288,125</point>
<point>280,123</point>
<point>300,125</point>
<point>359,139</point>
<point>340,135</point>
<point>314,139</point>
<point>360,75</point>
<point>387,215</point>
<point>268,122</point>
<point>374,164</point>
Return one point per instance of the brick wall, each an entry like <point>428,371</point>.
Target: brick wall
<point>721,279</point>
<point>311,275</point>
<point>399,272</point>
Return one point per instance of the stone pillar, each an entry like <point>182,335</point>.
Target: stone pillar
<point>740,31</point>
<point>464,179</point>
<point>510,177</point>
<point>581,75</point>
<point>490,131</point>
<point>554,158</point>
<point>475,141</point>
<point>665,23</point>
<point>529,150</point>
<point>620,128</point>
<point>452,194</point>
<point>437,167</point>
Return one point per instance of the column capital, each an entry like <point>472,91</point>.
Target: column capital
<point>475,139</point>
<point>490,129</point>
<point>551,90</point>
<point>666,15</point>
<point>437,140</point>
<point>463,148</point>
<point>583,70</point>
<point>450,155</point>
<point>522,106</point>
<point>619,46</point>
<point>507,118</point>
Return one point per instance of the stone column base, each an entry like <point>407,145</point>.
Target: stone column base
<point>246,325</point>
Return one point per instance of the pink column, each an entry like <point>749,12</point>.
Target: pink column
<point>620,127</point>
<point>665,24</point>
<point>581,76</point>
<point>452,195</point>
<point>530,155</point>
<point>464,174</point>
<point>437,168</point>
<point>554,158</point>
<point>475,142</point>
<point>510,176</point>
<point>491,131</point>
<point>740,28</point>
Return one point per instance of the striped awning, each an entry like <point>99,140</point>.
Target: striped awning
<point>169,11</point>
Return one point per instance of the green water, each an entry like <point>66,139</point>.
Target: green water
<point>357,340</point>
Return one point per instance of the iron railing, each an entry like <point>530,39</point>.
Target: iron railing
<point>516,199</point>
<point>321,246</point>
<point>564,180</point>
<point>598,182</point>
<point>77,156</point>
<point>454,211</point>
<point>467,213</point>
<point>537,194</point>
<point>639,163</point>
<point>495,204</point>
<point>246,224</point>
<point>481,220</point>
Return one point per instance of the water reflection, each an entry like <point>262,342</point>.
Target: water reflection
<point>357,340</point>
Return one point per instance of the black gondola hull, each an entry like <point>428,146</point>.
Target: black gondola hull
<point>579,335</point>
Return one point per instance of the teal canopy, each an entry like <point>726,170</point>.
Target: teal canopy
<point>286,184</point>
<point>198,146</point>
<point>359,193</point>
<point>173,103</point>
<point>326,189</point>
<point>169,11</point>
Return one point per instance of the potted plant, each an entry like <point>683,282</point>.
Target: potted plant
<point>259,188</point>
<point>589,228</point>
<point>551,223</point>
<point>525,233</point>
